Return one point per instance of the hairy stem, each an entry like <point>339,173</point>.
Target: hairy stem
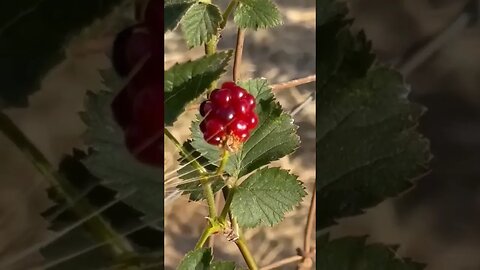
<point>97,226</point>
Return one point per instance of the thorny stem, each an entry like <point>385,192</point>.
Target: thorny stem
<point>293,83</point>
<point>97,226</point>
<point>238,54</point>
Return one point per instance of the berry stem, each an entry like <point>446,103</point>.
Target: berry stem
<point>206,185</point>
<point>223,162</point>
<point>97,226</point>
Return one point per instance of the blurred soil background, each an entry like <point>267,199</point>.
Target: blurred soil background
<point>438,223</point>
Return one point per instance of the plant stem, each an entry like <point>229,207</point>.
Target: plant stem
<point>242,246</point>
<point>227,13</point>
<point>310,224</point>
<point>293,83</point>
<point>211,46</point>
<point>223,162</point>
<point>208,193</point>
<point>238,53</point>
<point>205,235</point>
<point>97,226</point>
<point>228,202</point>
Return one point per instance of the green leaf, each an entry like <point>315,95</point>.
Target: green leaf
<point>367,144</point>
<point>202,259</point>
<point>201,23</point>
<point>111,160</point>
<point>265,196</point>
<point>222,266</point>
<point>174,12</point>
<point>196,259</point>
<point>185,82</point>
<point>274,137</point>
<point>352,253</point>
<point>78,248</point>
<point>33,34</point>
<point>256,14</point>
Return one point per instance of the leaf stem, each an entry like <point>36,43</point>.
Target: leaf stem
<point>96,225</point>
<point>227,13</point>
<point>226,207</point>
<point>242,246</point>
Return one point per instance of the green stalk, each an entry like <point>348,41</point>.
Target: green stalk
<point>227,12</point>
<point>97,226</point>
<point>228,201</point>
<point>242,246</point>
<point>223,162</point>
<point>205,235</point>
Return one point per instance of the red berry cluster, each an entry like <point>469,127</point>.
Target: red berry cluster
<point>138,108</point>
<point>229,116</point>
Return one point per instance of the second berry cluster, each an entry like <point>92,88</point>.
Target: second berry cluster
<point>138,108</point>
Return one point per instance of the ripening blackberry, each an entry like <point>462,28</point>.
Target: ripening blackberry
<point>229,116</point>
